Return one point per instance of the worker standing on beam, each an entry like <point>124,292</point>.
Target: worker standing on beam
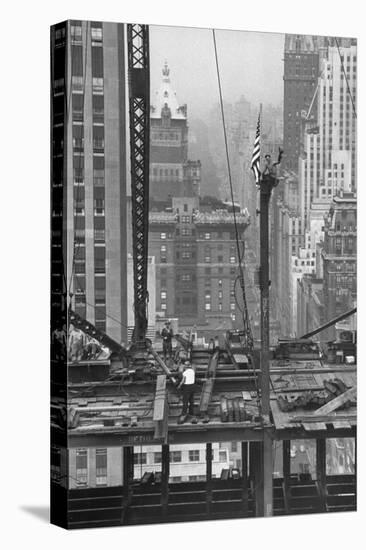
<point>167,335</point>
<point>188,385</point>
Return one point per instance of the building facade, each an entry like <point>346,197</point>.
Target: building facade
<point>301,66</point>
<point>90,137</point>
<point>196,263</point>
<point>171,173</point>
<point>328,146</point>
<point>103,467</point>
<point>339,257</point>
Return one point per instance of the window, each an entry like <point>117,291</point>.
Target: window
<point>186,277</point>
<point>79,176</point>
<point>234,447</point>
<point>97,85</point>
<point>98,207</point>
<point>98,177</point>
<point>82,466</point>
<point>186,219</point>
<point>157,458</point>
<point>186,232</point>
<point>194,456</point>
<point>96,34</point>
<point>220,259</point>
<point>163,236</point>
<point>232,306</point>
<point>163,295</point>
<point>208,306</point>
<point>175,456</point>
<point>163,248</point>
<point>98,108</point>
<point>76,33</point>
<point>101,466</point>
<point>207,236</point>
<point>222,456</point>
<point>77,83</point>
<point>175,479</point>
<point>139,458</point>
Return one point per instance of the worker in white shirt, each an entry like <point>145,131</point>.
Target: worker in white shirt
<point>188,385</point>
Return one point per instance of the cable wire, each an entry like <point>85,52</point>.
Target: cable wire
<point>346,79</point>
<point>247,328</point>
<point>245,315</point>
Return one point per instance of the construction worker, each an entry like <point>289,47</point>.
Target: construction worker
<point>59,343</point>
<point>188,386</point>
<point>167,335</point>
<point>76,343</point>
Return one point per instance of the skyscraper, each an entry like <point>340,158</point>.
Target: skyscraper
<point>301,65</point>
<point>89,162</point>
<point>328,159</point>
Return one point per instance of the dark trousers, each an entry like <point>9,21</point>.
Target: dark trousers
<point>188,396</point>
<point>167,348</point>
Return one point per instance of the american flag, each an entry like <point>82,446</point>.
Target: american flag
<point>257,152</point>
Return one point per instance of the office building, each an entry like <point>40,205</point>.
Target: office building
<point>89,152</point>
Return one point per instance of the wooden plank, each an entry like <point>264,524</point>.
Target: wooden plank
<point>208,385</point>
<point>328,419</point>
<point>160,398</point>
<point>246,396</point>
<point>314,426</point>
<point>206,394</point>
<point>335,403</point>
<point>341,424</point>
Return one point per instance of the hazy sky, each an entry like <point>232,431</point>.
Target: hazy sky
<point>250,64</point>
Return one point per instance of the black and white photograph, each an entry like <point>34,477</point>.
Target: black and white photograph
<point>203,274</point>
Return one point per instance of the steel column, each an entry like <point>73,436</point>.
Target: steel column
<point>321,465</point>
<point>208,478</point>
<point>165,467</point>
<point>266,187</point>
<point>139,109</point>
<point>244,473</point>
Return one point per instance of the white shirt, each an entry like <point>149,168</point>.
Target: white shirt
<point>188,376</point>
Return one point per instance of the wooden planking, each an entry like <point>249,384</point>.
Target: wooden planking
<point>246,396</point>
<point>328,419</point>
<point>340,424</point>
<point>160,398</point>
<point>206,394</point>
<point>314,426</point>
<point>336,402</point>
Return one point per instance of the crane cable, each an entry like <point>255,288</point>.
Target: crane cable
<point>346,79</point>
<point>245,315</point>
<point>247,328</point>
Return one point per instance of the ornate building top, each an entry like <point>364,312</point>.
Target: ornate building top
<point>165,102</point>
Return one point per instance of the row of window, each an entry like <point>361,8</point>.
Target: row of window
<point>82,466</point>
<point>194,455</point>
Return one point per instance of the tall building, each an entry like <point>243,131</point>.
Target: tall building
<point>171,173</point>
<point>339,257</point>
<point>89,151</point>
<point>196,263</point>
<point>301,66</point>
<point>328,156</point>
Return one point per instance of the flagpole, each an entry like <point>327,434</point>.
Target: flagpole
<point>267,182</point>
